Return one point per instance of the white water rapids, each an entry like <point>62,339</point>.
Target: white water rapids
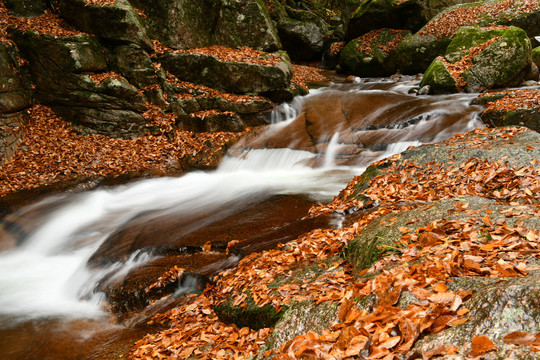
<point>47,275</point>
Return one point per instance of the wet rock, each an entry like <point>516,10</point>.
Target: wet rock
<point>235,77</point>
<point>370,54</point>
<point>360,123</point>
<point>167,233</point>
<point>182,24</point>
<point>500,58</point>
<point>116,22</point>
<point>376,14</point>
<point>14,94</point>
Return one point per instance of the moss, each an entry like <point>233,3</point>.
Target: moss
<point>467,37</point>
<point>439,78</point>
<point>363,183</point>
<point>252,315</point>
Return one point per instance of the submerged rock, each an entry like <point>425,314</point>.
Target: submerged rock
<point>481,58</point>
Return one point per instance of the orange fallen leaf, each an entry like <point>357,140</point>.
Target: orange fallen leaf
<point>481,345</point>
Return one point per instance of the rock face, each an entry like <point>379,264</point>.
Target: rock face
<point>118,22</point>
<point>302,40</point>
<point>480,58</point>
<point>371,54</point>
<point>62,69</point>
<point>182,24</point>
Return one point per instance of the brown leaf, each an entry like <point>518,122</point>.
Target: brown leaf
<point>519,338</point>
<point>481,345</point>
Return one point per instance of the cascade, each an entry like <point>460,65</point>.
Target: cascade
<point>314,146</point>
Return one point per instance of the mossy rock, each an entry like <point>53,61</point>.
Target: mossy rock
<point>378,59</point>
<point>117,22</point>
<point>376,14</point>
<point>414,54</point>
<point>504,62</point>
<point>252,315</point>
<point>363,184</point>
<point>439,78</point>
<point>496,309</point>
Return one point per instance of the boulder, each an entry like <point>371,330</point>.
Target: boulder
<point>370,54</point>
<point>183,24</point>
<point>376,14</point>
<point>116,22</point>
<point>513,107</point>
<point>211,122</point>
<point>14,95</point>
<point>536,55</point>
<point>229,76</point>
<point>481,58</point>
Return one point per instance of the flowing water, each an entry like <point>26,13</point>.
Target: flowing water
<point>54,251</point>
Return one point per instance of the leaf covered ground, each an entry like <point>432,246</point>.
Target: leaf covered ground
<point>421,262</point>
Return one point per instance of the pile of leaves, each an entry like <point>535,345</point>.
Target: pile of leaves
<point>510,100</point>
<point>446,24</point>
<point>421,262</point>
<point>52,152</point>
<point>303,74</point>
<point>466,62</point>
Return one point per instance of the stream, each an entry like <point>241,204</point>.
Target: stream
<point>67,261</point>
